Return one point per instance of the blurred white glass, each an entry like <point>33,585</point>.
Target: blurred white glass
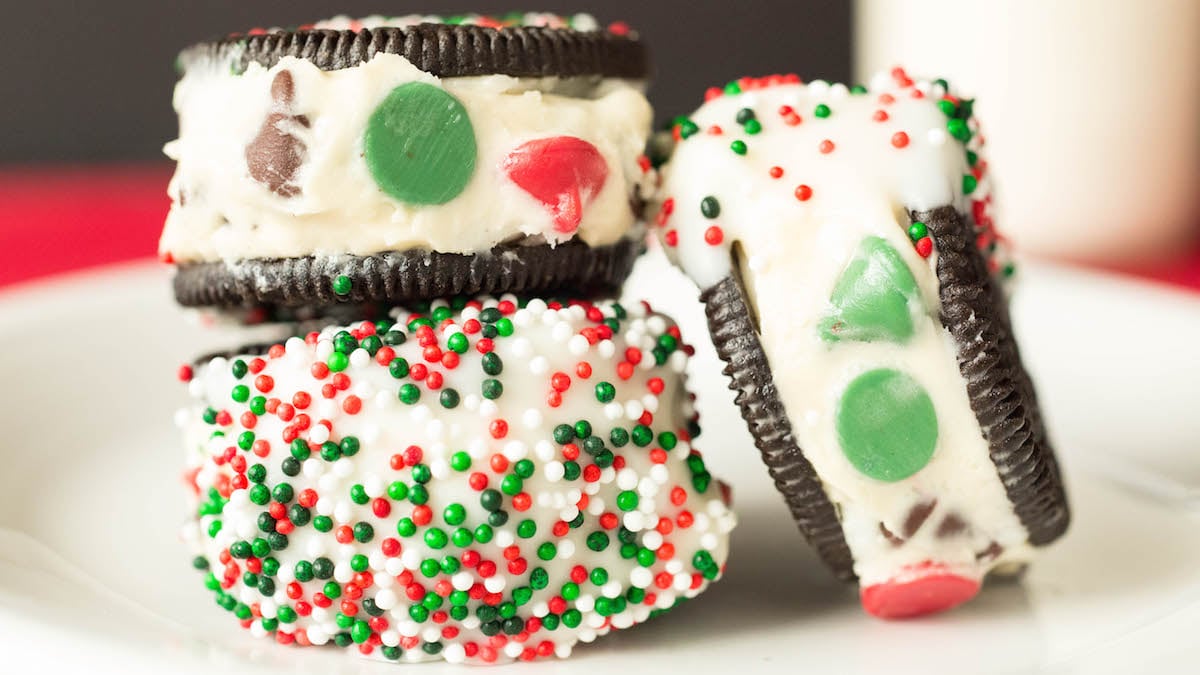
<point>1091,110</point>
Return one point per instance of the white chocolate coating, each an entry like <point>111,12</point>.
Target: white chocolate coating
<point>793,252</point>
<point>220,213</point>
<point>673,520</point>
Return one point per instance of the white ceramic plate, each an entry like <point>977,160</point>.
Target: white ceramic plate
<point>93,578</point>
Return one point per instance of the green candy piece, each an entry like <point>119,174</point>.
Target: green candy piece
<point>419,145</point>
<point>874,297</point>
<point>887,425</point>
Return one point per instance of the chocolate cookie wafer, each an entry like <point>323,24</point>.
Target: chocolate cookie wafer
<point>844,246</point>
<point>392,159</point>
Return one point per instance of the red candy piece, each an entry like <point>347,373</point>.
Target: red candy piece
<point>925,589</point>
<point>564,173</point>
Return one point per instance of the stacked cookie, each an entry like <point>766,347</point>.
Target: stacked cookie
<point>472,454</point>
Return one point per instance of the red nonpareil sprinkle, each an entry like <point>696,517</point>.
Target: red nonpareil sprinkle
<point>499,463</point>
<point>422,515</point>
<point>924,247</point>
<point>715,130</point>
<point>413,454</point>
<point>579,574</point>
<point>880,116</point>
<point>803,192</point>
<point>185,373</point>
<point>352,405</point>
<point>498,429</point>
<point>643,163</point>
<point>434,381</point>
<point>583,370</point>
<point>826,146</point>
<point>671,238</point>
<point>486,569</point>
<point>391,547</point>
<point>900,139</point>
<point>625,370</point>
<point>886,99</point>
<point>776,172</point>
<point>711,93</point>
<point>666,551</point>
<point>560,381</point>
<point>655,385</point>
<point>713,236</point>
<point>678,495</point>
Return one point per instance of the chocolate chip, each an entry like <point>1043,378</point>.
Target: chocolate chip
<point>951,525</point>
<point>283,88</point>
<point>917,516</point>
<point>276,154</point>
<point>993,551</point>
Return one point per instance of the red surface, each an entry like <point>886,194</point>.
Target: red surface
<point>59,218</point>
<point>926,589</point>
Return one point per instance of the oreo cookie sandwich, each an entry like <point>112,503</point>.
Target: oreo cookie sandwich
<point>477,481</point>
<point>387,160</point>
<point>843,242</point>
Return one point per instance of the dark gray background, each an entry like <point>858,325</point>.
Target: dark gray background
<point>91,79</point>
